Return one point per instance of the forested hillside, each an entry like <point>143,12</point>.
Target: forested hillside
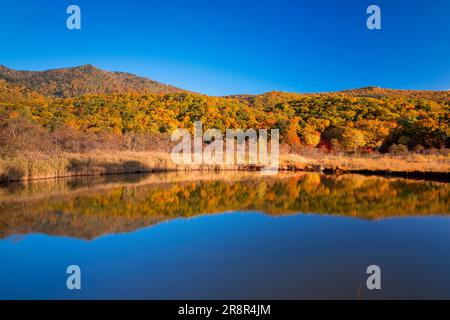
<point>70,82</point>
<point>370,119</point>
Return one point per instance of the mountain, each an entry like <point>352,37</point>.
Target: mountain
<point>365,92</point>
<point>76,81</point>
<point>377,92</point>
<point>87,79</point>
<point>362,119</point>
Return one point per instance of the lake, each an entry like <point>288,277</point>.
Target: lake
<point>227,235</point>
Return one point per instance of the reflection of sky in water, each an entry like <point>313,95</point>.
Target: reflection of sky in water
<point>238,256</point>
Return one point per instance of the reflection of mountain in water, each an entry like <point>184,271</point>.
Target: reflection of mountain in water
<point>89,208</point>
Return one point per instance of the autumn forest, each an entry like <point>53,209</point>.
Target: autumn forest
<point>83,109</point>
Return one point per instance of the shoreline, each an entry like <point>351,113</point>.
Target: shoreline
<point>411,175</point>
<point>426,176</point>
<point>38,166</point>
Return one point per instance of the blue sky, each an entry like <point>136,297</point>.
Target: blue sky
<point>248,46</point>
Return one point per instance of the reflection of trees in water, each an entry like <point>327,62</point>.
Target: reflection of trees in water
<point>122,208</point>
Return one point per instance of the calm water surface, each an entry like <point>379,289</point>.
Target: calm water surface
<point>225,236</point>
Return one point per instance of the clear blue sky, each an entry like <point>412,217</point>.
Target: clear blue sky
<point>229,46</point>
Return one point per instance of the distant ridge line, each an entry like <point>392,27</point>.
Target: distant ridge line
<point>88,79</point>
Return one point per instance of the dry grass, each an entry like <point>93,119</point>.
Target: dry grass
<point>379,162</point>
<point>38,165</point>
<point>35,165</point>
